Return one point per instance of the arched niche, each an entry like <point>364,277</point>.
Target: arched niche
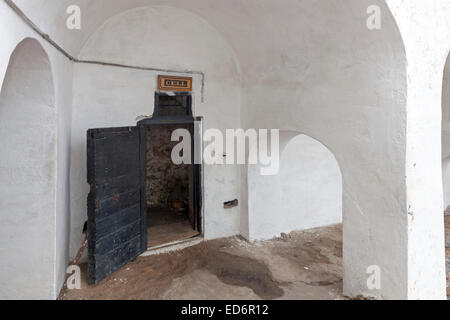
<point>306,193</point>
<point>27,175</point>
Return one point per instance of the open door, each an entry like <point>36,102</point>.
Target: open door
<point>116,203</point>
<point>198,197</point>
<point>197,163</point>
<point>191,214</point>
<point>195,177</point>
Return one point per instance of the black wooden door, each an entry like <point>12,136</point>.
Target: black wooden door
<point>197,154</point>
<point>198,197</point>
<point>116,203</point>
<point>191,214</point>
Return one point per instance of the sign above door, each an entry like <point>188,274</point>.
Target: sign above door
<point>172,83</point>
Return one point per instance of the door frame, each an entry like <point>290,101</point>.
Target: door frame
<point>198,171</point>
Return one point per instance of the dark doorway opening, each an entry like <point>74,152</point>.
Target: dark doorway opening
<point>169,189</point>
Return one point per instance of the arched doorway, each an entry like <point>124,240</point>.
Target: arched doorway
<point>306,193</point>
<point>27,175</point>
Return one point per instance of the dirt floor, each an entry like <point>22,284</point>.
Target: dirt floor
<point>302,265</point>
<point>165,226</point>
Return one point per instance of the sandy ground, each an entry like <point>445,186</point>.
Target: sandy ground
<point>447,251</point>
<point>302,265</point>
<point>165,226</point>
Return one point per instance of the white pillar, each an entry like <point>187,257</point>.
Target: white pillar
<point>425,32</point>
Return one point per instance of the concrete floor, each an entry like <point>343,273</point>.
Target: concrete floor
<point>301,265</point>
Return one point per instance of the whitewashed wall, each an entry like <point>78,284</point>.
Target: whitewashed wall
<point>55,231</point>
<point>425,30</point>
<point>27,174</point>
<point>311,184</point>
<point>353,101</point>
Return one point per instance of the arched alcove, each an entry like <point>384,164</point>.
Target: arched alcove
<point>27,175</point>
<point>311,183</point>
<point>306,193</point>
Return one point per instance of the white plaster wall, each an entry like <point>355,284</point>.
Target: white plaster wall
<point>425,30</point>
<point>27,175</point>
<point>12,32</point>
<point>347,89</point>
<point>311,184</point>
<point>306,193</point>
<point>109,96</point>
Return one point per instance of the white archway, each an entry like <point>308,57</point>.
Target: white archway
<point>27,175</point>
<point>306,193</point>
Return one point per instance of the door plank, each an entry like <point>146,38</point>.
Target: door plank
<point>116,216</point>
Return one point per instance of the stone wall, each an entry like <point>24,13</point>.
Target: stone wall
<point>166,182</point>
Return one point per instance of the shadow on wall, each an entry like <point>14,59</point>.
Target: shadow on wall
<point>27,175</point>
<point>446,164</point>
<point>306,193</point>
<point>446,134</point>
<point>446,182</point>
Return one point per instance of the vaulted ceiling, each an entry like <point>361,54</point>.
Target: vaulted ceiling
<point>261,32</point>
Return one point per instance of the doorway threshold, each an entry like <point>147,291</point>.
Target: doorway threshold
<point>173,246</point>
